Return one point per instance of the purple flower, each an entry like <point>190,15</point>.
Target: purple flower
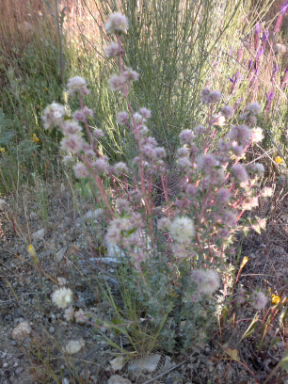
<point>284,9</point>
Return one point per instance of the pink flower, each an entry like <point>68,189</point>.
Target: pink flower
<point>122,118</point>
<point>80,171</point>
<point>118,83</point>
<point>77,84</point>
<point>242,134</point>
<point>223,195</point>
<point>101,165</point>
<point>83,114</point>
<point>186,136</point>
<point>71,127</point>
<point>240,173</point>
<point>254,108</point>
<point>131,75</point>
<point>72,143</point>
<point>113,50</point>
<point>206,162</point>
<point>120,168</point>
<point>98,133</point>
<point>146,113</point>
<point>227,111</point>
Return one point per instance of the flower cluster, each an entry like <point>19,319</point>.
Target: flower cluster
<point>191,227</point>
<point>122,82</point>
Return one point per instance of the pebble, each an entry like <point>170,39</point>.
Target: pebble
<point>19,370</point>
<point>116,379</point>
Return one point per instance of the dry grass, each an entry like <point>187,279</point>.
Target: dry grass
<point>18,21</point>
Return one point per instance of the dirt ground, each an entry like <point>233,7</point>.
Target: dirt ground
<point>65,243</point>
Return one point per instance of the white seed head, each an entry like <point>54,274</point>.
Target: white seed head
<point>62,297</point>
<point>117,22</point>
<point>182,229</point>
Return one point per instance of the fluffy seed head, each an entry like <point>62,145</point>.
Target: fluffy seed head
<point>218,120</point>
<point>206,162</point>
<point>120,169</point>
<point>259,300</point>
<point>207,281</point>
<point>77,84</point>
<point>101,165</point>
<point>183,152</point>
<point>118,83</point>
<point>145,112</point>
<point>241,134</point>
<point>182,229</point>
<point>83,114</point>
<point>186,136</point>
<point>62,297</point>
<point>227,111</point>
<point>70,127</point>
<point>254,108</point>
<point>117,23</point>
<point>80,170</point>
<point>257,135</point>
<point>122,118</point>
<point>240,173</point>
<point>210,97</point>
<point>163,224</point>
<point>223,195</point>
<point>131,75</point>
<point>53,115</point>
<point>98,133</point>
<point>72,143</point>
<point>113,50</point>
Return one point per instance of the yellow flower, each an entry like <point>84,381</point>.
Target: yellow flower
<point>244,262</point>
<point>276,299</point>
<point>2,149</point>
<point>279,160</point>
<point>32,252</point>
<point>35,138</point>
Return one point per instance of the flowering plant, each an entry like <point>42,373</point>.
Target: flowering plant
<point>173,243</point>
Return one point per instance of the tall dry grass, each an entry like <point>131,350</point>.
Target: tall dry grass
<point>18,21</point>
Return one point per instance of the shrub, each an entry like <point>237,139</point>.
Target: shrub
<point>172,245</point>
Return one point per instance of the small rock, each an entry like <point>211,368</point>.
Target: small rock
<point>60,254</point>
<point>38,235</point>
<point>118,363</point>
<point>19,370</point>
<point>22,330</point>
<point>116,379</point>
<point>174,378</point>
<point>148,364</point>
<point>74,346</point>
